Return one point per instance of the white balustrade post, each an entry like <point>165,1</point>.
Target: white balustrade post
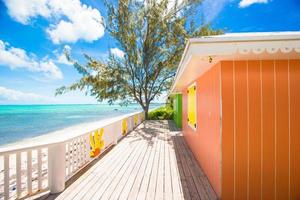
<point>115,138</point>
<point>87,148</point>
<point>117,130</point>
<point>130,123</point>
<point>57,167</point>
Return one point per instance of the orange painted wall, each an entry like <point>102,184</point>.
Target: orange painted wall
<point>294,85</point>
<point>228,130</point>
<point>253,151</point>
<point>260,129</point>
<point>205,142</point>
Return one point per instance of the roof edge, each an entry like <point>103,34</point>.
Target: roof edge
<point>245,37</point>
<point>232,38</point>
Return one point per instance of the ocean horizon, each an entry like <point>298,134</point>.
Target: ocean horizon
<point>20,122</point>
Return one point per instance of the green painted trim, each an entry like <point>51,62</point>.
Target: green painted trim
<point>177,106</point>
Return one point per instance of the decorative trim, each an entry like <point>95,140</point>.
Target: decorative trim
<point>271,49</point>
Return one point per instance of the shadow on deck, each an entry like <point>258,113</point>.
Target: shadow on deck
<point>151,162</point>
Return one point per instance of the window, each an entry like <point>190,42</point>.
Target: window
<point>192,111</point>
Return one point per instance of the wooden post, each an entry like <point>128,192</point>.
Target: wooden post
<point>6,176</point>
<point>57,167</point>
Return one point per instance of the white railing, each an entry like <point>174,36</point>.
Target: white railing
<point>29,170</point>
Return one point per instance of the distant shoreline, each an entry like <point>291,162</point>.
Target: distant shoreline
<point>62,134</point>
<point>23,123</point>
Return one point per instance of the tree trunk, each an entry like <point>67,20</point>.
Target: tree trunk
<point>146,110</point>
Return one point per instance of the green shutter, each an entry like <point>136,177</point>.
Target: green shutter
<point>177,105</point>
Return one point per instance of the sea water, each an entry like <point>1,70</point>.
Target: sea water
<point>19,122</point>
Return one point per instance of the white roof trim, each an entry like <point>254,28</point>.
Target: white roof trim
<point>236,44</point>
<point>244,37</point>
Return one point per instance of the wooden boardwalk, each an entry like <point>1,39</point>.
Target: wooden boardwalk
<point>152,162</point>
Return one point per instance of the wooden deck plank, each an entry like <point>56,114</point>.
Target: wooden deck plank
<point>123,179</point>
<point>176,183</point>
<point>154,170</point>
<point>203,186</point>
<point>87,178</point>
<point>131,189</point>
<point>151,162</point>
<point>98,178</point>
<point>95,186</point>
<point>159,191</point>
<point>142,192</point>
<point>168,192</point>
<point>193,171</point>
<point>188,177</point>
<point>99,191</point>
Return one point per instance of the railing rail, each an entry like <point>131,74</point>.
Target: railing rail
<point>47,166</point>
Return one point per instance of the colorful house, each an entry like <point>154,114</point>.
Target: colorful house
<point>241,112</point>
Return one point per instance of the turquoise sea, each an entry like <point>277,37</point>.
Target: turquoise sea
<point>18,122</point>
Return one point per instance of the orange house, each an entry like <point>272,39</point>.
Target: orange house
<point>241,112</point>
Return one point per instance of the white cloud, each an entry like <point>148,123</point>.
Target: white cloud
<point>16,58</point>
<point>22,11</point>
<point>70,20</point>
<point>61,58</point>
<point>12,96</point>
<point>7,94</point>
<point>117,52</point>
<point>83,22</point>
<point>67,48</point>
<point>246,3</point>
<point>212,8</point>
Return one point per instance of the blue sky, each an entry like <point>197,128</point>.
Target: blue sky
<point>34,34</point>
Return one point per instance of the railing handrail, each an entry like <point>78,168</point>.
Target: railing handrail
<point>22,146</point>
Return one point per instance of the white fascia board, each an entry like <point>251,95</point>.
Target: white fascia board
<point>237,44</point>
<point>243,37</point>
